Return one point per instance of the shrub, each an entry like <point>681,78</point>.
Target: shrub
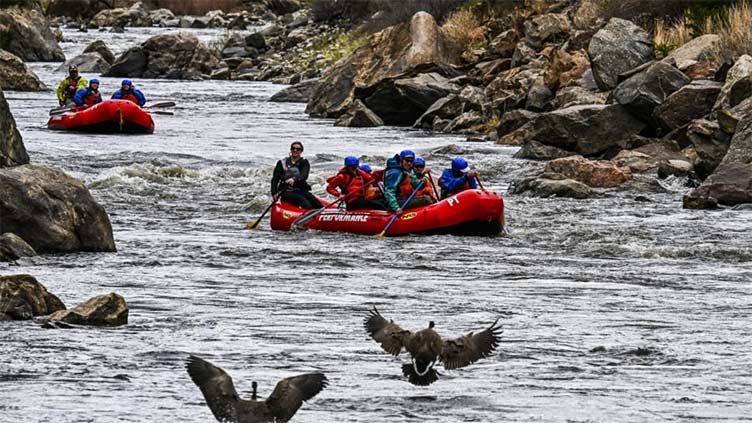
<point>735,30</point>
<point>666,38</point>
<point>464,29</point>
<point>379,14</point>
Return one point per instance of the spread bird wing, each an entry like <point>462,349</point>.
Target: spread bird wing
<point>290,393</point>
<point>470,348</point>
<point>217,387</point>
<point>387,333</point>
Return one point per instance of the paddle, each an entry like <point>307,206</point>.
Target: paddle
<point>61,110</point>
<point>308,216</point>
<point>255,224</point>
<point>433,185</point>
<point>480,184</point>
<point>160,104</point>
<point>162,112</point>
<point>389,225</point>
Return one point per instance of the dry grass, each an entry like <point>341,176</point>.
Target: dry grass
<point>735,31</point>
<point>667,38</point>
<point>464,30</point>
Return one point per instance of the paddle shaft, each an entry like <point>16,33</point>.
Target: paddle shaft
<point>433,185</point>
<point>307,217</point>
<point>394,218</point>
<point>256,223</point>
<point>160,104</point>
<point>480,184</point>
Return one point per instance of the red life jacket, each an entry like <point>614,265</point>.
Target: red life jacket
<point>378,175</point>
<point>353,184</point>
<point>446,193</point>
<point>130,97</point>
<point>373,192</point>
<point>405,187</point>
<point>92,98</point>
<point>70,91</point>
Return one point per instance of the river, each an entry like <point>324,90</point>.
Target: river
<point>613,309</point>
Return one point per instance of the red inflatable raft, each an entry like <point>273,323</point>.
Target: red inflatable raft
<point>471,212</point>
<point>109,116</point>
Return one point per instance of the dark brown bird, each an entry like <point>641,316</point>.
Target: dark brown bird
<point>224,402</point>
<point>426,347</point>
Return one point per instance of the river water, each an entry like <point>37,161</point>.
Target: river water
<point>613,309</point>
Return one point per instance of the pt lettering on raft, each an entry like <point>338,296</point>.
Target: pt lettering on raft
<point>341,217</point>
<point>453,200</point>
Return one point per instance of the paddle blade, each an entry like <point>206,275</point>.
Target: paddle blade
<point>252,225</point>
<point>380,234</point>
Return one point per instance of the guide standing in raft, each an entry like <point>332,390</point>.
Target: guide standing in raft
<point>290,180</point>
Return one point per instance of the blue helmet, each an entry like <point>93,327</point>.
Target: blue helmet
<point>419,161</point>
<point>351,161</point>
<point>127,82</point>
<point>460,165</point>
<point>365,168</point>
<point>93,81</point>
<point>406,153</point>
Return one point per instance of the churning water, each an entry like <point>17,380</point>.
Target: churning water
<point>613,309</point>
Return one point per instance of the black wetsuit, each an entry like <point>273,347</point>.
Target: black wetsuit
<point>299,194</point>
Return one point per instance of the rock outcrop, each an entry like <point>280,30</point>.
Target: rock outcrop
<point>12,150</point>
<point>646,90</point>
<point>103,310</point>
<point>697,50</point>
<point>406,49</point>
<point>13,247</point>
<point>593,173</point>
<point>96,58</point>
<point>741,71</point>
<point>22,297</point>
<point>617,48</point>
<point>169,56</point>
<point>52,211</point>
<point>298,93</point>
<point>690,102</point>
<point>731,182</point>
<point>26,33</point>
<point>358,115</point>
<point>551,185</point>
<point>16,76</point>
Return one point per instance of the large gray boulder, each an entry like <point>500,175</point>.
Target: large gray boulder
<point>731,182</point>
<point>104,310</point>
<point>742,70</point>
<point>298,93</point>
<point>13,247</point>
<point>728,119</point>
<point>23,297</point>
<point>413,47</point>
<point>646,90</point>
<point>26,33</point>
<point>101,48</point>
<point>711,144</point>
<point>402,100</point>
<point>12,150</point>
<point>586,130</point>
<point>52,211</point>
<point>16,76</point>
<point>359,116</point>
<point>168,56</point>
<point>617,48</point>
<point>87,62</point>
<point>688,103</point>
<point>551,185</point>
<point>697,50</point>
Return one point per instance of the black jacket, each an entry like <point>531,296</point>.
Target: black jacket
<point>285,170</point>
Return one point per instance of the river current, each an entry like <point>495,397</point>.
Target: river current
<point>620,308</point>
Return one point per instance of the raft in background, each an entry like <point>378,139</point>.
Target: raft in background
<point>471,212</point>
<point>107,117</point>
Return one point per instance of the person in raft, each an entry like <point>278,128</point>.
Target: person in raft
<point>458,178</point>
<point>69,86</point>
<point>400,181</point>
<point>421,172</point>
<point>290,177</point>
<point>374,191</point>
<point>88,96</point>
<point>128,92</point>
<point>353,182</point>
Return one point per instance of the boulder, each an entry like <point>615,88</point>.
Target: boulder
<point>169,56</point>
<point>728,119</point>
<point>23,297</point>
<point>444,108</point>
<point>161,17</point>
<point>401,101</point>
<point>101,48</point>
<point>577,96</point>
<point>731,182</point>
<point>710,144</point>
<point>510,89</point>
<point>111,17</point>
<point>588,15</point>
<point>86,62</point>
<point>16,76</point>
<point>513,120</point>
<point>742,69</point>
<point>12,150</point>
<point>359,116</point>
<point>52,211</point>
<point>648,157</point>
<point>298,93</point>
<point>103,310</point>
<point>551,185</point>
<point>566,69</point>
<point>646,90</point>
<point>255,40</point>
<point>587,130</point>
<point>222,73</point>
<point>26,33</point>
<point>697,50</point>
<point>616,48</point>
<point>680,168</point>
<point>593,173</point>
<point>547,27</point>
<point>539,96</point>
<point>466,122</point>
<point>13,247</point>
<point>535,150</point>
<point>385,56</point>
<point>504,44</point>
<point>688,103</point>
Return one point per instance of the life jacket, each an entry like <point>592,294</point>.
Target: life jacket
<point>91,98</point>
<point>374,191</point>
<point>353,184</point>
<point>405,188</point>
<point>130,97</point>
<point>427,190</point>
<point>70,90</point>
<point>446,193</point>
<point>293,171</point>
<point>378,175</point>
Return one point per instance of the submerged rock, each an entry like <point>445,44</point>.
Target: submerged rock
<point>52,211</point>
<point>23,297</point>
<point>104,310</point>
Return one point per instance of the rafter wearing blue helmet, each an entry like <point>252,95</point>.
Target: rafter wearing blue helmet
<point>128,92</point>
<point>400,181</point>
<point>353,182</point>
<point>88,96</point>
<point>457,178</point>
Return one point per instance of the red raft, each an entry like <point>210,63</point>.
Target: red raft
<point>109,116</point>
<point>471,212</point>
